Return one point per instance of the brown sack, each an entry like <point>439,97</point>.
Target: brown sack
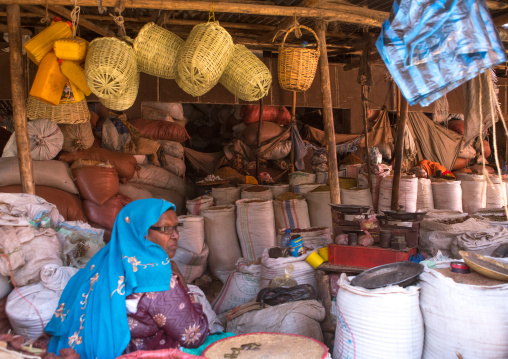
<point>77,137</point>
<point>124,163</point>
<point>96,183</point>
<point>161,130</point>
<point>69,205</point>
<point>105,215</point>
<point>269,130</point>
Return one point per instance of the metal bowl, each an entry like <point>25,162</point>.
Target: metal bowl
<point>350,209</point>
<point>405,216</point>
<point>400,273</point>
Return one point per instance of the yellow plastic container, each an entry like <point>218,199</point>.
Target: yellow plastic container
<point>71,49</point>
<point>43,42</point>
<point>323,253</point>
<point>315,260</point>
<point>71,94</point>
<point>49,81</point>
<point>75,73</point>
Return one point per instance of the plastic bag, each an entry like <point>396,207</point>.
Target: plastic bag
<point>276,296</point>
<point>286,281</point>
<point>368,225</point>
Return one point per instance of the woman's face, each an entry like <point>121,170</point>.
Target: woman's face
<point>168,241</point>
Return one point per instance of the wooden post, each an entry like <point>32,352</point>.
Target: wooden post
<point>326,94</point>
<point>260,124</point>
<point>19,100</point>
<point>293,118</point>
<point>399,151</point>
<point>365,106</point>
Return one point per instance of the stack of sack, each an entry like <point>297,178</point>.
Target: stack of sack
<point>41,253</point>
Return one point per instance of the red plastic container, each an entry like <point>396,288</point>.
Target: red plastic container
<point>366,257</point>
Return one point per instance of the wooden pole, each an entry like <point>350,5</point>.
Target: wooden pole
<point>293,118</point>
<point>326,94</point>
<point>19,100</point>
<point>340,12</point>
<point>260,124</point>
<point>365,106</point>
<point>399,151</point>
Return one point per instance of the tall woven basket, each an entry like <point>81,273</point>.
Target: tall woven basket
<point>246,76</point>
<point>126,100</point>
<point>297,66</point>
<point>203,58</point>
<point>110,66</point>
<point>157,50</point>
<point>69,113</point>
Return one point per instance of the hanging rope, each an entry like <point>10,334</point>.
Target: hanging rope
<point>120,6</point>
<point>211,13</point>
<point>101,8</point>
<point>298,32</point>
<point>46,19</point>
<point>75,18</point>
<point>120,22</point>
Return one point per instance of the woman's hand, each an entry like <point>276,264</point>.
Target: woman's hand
<point>176,271</point>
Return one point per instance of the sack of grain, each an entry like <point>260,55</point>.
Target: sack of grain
<point>408,192</point>
<point>105,215</point>
<point>222,239</point>
<point>291,211</point>
<point>133,192</point>
<point>312,238</point>
<point>496,193</point>
<point>174,165</point>
<point>22,209</point>
<point>483,242</point>
<point>241,287</point>
<point>302,273</point>
<point>278,189</point>
<point>77,137</point>
<point>192,233</point>
<point>172,148</point>
<point>474,194</point>
<point>46,173</point>
<point>356,196</point>
<point>320,212</point>
<point>447,195</point>
<point>161,130</point>
<point>280,151</point>
<point>298,177</point>
<point>425,200</point>
<point>269,131</point>
<point>45,138</point>
<point>384,316</point>
<point>197,205</point>
<point>259,192</point>
<point>97,183</point>
<point>255,226</point>
<point>304,188</point>
<point>80,242</point>
<point>191,265</point>
<point>124,163</point>
<point>276,114</point>
<point>173,109</point>
<point>225,195</point>
<point>173,196</point>
<point>158,177</point>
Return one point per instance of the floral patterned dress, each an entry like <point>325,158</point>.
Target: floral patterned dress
<point>162,320</point>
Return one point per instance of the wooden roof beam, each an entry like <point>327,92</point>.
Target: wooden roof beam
<point>342,13</point>
<point>60,10</point>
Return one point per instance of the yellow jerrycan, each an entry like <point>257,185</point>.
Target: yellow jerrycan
<point>49,81</point>
<point>43,42</point>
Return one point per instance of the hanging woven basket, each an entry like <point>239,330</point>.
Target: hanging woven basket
<point>70,113</point>
<point>297,65</point>
<point>246,76</point>
<point>157,50</point>
<point>125,101</point>
<point>110,66</point>
<point>203,58</point>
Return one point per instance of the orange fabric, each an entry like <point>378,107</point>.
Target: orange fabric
<point>433,167</point>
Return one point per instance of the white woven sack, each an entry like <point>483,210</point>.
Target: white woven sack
<point>378,323</point>
<point>292,213</point>
<point>305,188</point>
<point>356,196</point>
<point>301,177</point>
<point>37,299</point>
<point>158,177</point>
<point>46,173</point>
<point>408,192</point>
<point>303,272</point>
<point>222,239</point>
<point>255,225</point>
<point>133,192</point>
<point>482,242</point>
<point>264,195</point>
<point>241,287</point>
<point>22,209</point>
<point>46,141</point>
<point>474,195</point>
<point>228,195</point>
<point>475,328</point>
<point>214,323</point>
<point>191,265</point>
<point>320,212</point>
<point>192,233</point>
<point>174,165</point>
<point>197,205</point>
<point>425,200</point>
<point>312,238</point>
<point>447,195</point>
<point>172,148</point>
<point>496,193</point>
<point>278,189</point>
<point>173,109</point>
<point>280,151</point>
<point>321,177</point>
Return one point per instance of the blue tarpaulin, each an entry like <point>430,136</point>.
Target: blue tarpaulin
<point>431,47</point>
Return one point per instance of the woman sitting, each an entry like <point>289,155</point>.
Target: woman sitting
<point>130,296</point>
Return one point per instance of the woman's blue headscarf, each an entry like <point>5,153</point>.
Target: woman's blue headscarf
<point>92,316</point>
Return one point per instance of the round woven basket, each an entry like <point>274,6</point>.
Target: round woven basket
<point>203,58</point>
<point>69,113</point>
<point>297,65</point>
<point>126,100</point>
<point>157,50</point>
<point>110,66</point>
<point>246,76</point>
